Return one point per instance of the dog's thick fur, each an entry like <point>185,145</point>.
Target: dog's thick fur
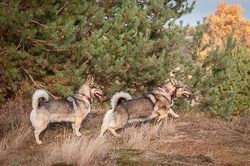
<point>151,105</point>
<point>69,109</point>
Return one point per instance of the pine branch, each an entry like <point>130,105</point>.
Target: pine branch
<point>228,49</point>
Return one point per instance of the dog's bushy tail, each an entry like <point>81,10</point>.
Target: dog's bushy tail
<point>37,95</point>
<point>116,99</point>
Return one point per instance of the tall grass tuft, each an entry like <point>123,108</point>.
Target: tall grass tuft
<point>15,128</point>
<point>84,150</point>
<point>141,138</point>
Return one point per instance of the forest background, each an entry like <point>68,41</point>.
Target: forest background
<point>127,46</point>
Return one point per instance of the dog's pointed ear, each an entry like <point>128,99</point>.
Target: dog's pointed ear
<point>174,81</point>
<point>167,80</point>
<point>90,80</point>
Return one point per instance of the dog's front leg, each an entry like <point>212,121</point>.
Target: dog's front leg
<point>171,112</point>
<point>162,113</point>
<point>77,125</point>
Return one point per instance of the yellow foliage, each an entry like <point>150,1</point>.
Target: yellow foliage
<point>223,21</point>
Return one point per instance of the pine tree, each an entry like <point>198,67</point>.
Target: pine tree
<point>57,44</point>
<point>221,78</point>
<point>226,59</point>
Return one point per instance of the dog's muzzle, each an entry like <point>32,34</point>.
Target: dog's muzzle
<point>97,95</point>
<point>185,95</point>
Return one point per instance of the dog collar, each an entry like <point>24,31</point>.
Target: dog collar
<point>166,91</point>
<point>88,98</point>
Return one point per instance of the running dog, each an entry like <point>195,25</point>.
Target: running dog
<point>152,105</point>
<point>69,109</point>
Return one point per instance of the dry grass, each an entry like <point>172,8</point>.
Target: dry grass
<point>141,137</point>
<point>60,144</point>
<point>186,140</point>
<point>14,140</point>
<point>80,151</point>
<point>15,128</point>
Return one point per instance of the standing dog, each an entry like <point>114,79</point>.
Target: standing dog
<point>151,105</point>
<point>69,109</point>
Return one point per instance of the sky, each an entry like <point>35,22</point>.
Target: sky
<point>203,7</point>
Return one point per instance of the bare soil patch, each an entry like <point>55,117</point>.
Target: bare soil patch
<point>211,140</point>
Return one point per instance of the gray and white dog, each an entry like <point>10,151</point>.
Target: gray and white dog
<point>69,109</point>
<point>152,105</point>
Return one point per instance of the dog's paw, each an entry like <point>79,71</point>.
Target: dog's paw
<point>78,134</point>
<point>159,119</point>
<point>176,116</point>
<point>39,142</point>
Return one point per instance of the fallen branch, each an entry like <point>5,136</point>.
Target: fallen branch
<point>38,85</point>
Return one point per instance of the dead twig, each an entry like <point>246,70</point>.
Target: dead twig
<point>38,85</point>
<point>38,23</point>
<point>19,45</point>
<point>85,62</point>
<point>62,8</point>
<point>57,50</point>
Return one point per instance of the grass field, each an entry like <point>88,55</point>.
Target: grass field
<point>189,140</point>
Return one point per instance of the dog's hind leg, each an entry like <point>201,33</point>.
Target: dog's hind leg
<point>117,120</point>
<point>113,129</point>
<point>105,122</point>
<point>120,122</point>
<point>103,129</point>
<point>38,131</point>
<point>77,125</point>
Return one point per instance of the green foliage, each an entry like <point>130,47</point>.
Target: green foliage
<point>59,43</point>
<point>124,45</point>
<point>234,91</point>
<point>221,81</point>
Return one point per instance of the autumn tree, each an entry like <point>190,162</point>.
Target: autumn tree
<point>225,20</point>
<point>221,76</point>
